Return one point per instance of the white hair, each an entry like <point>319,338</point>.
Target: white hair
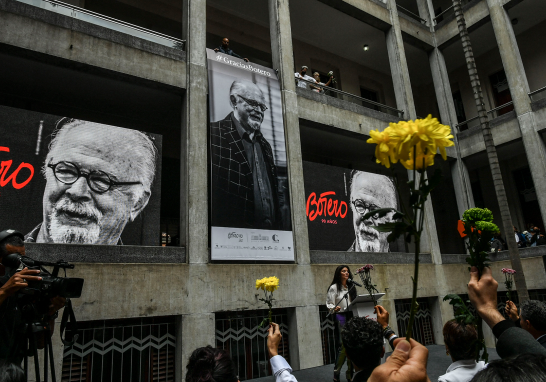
<point>145,165</point>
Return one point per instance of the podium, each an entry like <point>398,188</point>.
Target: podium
<point>362,306</point>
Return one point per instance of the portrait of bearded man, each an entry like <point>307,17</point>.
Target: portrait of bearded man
<point>98,179</point>
<point>369,192</point>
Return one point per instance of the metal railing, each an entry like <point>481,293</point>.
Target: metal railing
<point>442,14</point>
<point>472,120</point>
<point>538,94</point>
<point>340,94</point>
<point>126,350</point>
<point>411,14</point>
<point>107,22</point>
<point>329,336</point>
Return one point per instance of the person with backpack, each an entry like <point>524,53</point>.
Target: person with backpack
<point>520,238</point>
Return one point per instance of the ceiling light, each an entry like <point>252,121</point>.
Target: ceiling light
<point>365,47</point>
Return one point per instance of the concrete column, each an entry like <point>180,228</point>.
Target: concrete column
<point>448,115</point>
<point>425,11</point>
<point>519,89</point>
<point>304,337</point>
<point>198,330</point>
<point>283,60</point>
<point>442,312</point>
<point>404,101</point>
<point>194,136</point>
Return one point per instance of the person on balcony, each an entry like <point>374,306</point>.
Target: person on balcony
<point>302,75</point>
<point>224,48</point>
<point>320,89</point>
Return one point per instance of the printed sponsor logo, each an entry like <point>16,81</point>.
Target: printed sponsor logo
<point>259,238</point>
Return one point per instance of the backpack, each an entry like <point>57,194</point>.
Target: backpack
<point>522,239</point>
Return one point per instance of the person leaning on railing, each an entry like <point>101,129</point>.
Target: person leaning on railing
<point>320,89</point>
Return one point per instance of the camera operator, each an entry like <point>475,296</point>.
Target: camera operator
<point>12,335</point>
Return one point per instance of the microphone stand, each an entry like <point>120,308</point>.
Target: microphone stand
<point>345,296</point>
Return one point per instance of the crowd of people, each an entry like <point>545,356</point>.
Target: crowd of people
<point>303,80</point>
<point>521,343</point>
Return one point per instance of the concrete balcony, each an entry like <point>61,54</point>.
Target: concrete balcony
<point>61,38</point>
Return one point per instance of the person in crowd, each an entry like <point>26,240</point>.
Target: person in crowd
<point>522,368</point>
<point>363,343</point>
<point>511,340</point>
<point>98,179</point>
<point>532,318</point>
<point>302,75</point>
<point>521,239</point>
<point>211,364</point>
<point>245,179</point>
<point>224,48</point>
<point>336,303</point>
<point>537,238</point>
<point>497,243</point>
<point>459,341</point>
<point>280,368</point>
<point>369,192</point>
<point>12,339</point>
<point>528,235</point>
<point>10,372</point>
<point>317,88</point>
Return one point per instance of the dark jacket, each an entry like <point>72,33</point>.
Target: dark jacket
<point>232,181</point>
<point>361,376</point>
<point>513,341</point>
<point>228,52</point>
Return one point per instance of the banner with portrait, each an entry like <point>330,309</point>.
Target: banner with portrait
<point>70,181</point>
<point>337,199</point>
<point>250,208</point>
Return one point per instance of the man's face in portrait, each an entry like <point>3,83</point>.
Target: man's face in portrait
<point>249,106</point>
<point>370,192</point>
<point>92,210</point>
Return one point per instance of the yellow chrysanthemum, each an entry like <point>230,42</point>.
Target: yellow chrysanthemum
<point>399,140</point>
<point>269,284</point>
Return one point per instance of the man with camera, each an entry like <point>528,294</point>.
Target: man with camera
<point>12,326</point>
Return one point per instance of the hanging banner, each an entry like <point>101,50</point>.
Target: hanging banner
<point>71,181</point>
<point>250,209</point>
<point>337,200</point>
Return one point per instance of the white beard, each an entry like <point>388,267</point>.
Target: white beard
<point>363,245</point>
<point>68,234</point>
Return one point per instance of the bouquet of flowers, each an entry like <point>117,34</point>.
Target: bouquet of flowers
<point>508,281</point>
<point>268,285</point>
<point>331,74</point>
<point>414,144</point>
<point>366,277</point>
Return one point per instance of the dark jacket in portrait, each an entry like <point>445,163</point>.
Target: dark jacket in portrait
<point>232,179</point>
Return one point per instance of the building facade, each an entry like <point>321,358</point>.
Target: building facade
<point>142,65</point>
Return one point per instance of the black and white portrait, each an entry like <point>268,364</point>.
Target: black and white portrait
<point>91,181</point>
<point>248,155</point>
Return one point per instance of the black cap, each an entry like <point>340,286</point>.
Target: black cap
<point>10,232</point>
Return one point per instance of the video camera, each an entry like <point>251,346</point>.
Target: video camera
<point>51,285</point>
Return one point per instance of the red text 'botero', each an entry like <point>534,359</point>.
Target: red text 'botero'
<point>325,206</point>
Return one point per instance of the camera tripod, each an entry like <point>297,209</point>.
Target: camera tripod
<point>33,332</point>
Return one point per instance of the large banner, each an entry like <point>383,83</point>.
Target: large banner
<point>65,180</point>
<point>337,200</point>
<point>250,209</point>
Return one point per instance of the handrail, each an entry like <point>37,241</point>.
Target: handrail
<point>536,91</point>
<point>400,112</point>
<point>442,13</point>
<point>412,14</point>
<point>490,111</point>
<point>117,21</point>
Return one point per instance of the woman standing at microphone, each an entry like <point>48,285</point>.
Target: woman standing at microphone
<point>338,288</point>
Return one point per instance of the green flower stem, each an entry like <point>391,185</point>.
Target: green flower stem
<point>481,344</point>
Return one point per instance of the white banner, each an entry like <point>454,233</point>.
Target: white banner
<point>251,244</point>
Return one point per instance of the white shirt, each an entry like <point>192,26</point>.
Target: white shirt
<point>303,84</point>
<point>281,369</point>
<point>517,238</point>
<point>334,296</point>
<point>462,371</point>
<point>321,90</point>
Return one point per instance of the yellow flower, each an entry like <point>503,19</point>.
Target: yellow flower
<point>398,140</point>
<point>269,284</point>
<point>423,160</point>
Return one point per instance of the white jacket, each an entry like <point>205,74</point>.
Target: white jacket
<point>462,371</point>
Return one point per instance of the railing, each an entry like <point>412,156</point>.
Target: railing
<point>107,22</point>
<point>441,14</point>
<point>336,93</point>
<point>538,94</point>
<point>472,120</point>
<point>412,15</point>
<point>329,336</point>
